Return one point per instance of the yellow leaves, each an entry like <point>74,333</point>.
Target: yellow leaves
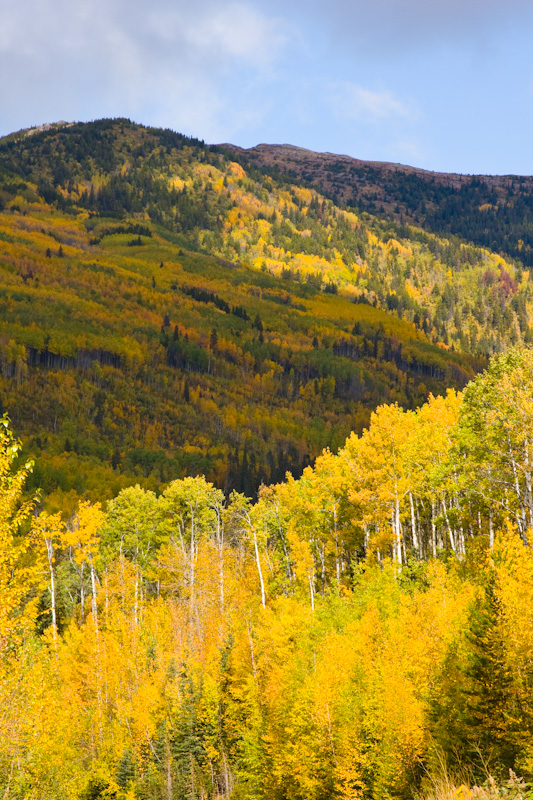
<point>48,526</point>
<point>17,571</point>
<point>83,535</point>
<point>236,170</point>
<point>302,558</point>
<point>376,463</point>
<point>349,763</point>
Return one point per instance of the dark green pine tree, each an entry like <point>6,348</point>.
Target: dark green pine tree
<point>125,774</point>
<point>490,713</point>
<point>476,719</point>
<point>186,744</point>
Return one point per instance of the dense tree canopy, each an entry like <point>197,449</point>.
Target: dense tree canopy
<point>339,637</point>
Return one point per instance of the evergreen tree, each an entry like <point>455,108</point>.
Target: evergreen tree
<point>489,710</point>
<point>476,716</point>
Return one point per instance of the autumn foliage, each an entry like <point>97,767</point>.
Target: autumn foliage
<point>344,636</point>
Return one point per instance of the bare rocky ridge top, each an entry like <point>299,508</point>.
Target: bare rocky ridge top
<point>289,155</point>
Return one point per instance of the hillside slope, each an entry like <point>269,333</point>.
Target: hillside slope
<point>461,295</point>
<point>141,339</point>
<point>493,211</point>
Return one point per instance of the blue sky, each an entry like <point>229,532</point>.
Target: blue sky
<point>440,85</point>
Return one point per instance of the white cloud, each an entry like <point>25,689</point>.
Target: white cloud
<point>239,31</point>
<point>174,59</point>
<point>350,101</point>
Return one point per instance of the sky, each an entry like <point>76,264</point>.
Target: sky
<point>445,85</point>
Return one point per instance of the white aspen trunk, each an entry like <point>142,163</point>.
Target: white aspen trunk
<point>50,553</point>
<point>450,532</point>
<point>221,577</point>
<point>461,549</point>
<point>106,598</point>
<point>136,601</point>
<point>220,546</point>
<point>522,518</point>
<point>433,531</point>
<point>397,527</point>
<point>311,579</point>
<point>227,780</point>
<point>336,536</point>
<point>491,529</point>
<point>260,571</point>
<point>422,540</point>
<point>322,552</point>
<point>192,576</point>
<point>527,474</point>
<point>94,606</point>
<point>82,595</point>
<point>122,581</point>
<point>169,778</point>
<point>413,523</point>
<point>284,544</point>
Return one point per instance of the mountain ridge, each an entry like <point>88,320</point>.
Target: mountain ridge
<point>287,149</point>
<point>494,211</point>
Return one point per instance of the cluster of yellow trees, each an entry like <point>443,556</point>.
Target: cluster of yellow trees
<point>339,638</point>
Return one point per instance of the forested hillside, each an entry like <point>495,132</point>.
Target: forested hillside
<point>349,635</point>
<point>268,535</point>
<point>456,293</point>
<point>493,211</point>
<point>164,314</point>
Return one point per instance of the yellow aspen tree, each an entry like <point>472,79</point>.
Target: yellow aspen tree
<point>17,572</point>
<point>83,535</point>
<point>427,455</point>
<point>379,479</point>
<point>253,525</point>
<point>192,510</point>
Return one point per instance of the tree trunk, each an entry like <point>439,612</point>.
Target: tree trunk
<point>413,523</point>
<point>260,571</point>
<point>450,532</point>
<point>94,606</point>
<point>433,531</point>
<point>50,553</point>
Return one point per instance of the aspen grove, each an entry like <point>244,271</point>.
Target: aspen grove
<point>343,636</point>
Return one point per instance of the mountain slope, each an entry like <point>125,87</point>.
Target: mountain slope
<point>491,211</point>
<point>129,352</point>
<point>462,295</point>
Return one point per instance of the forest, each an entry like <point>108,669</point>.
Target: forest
<point>354,633</point>
<point>266,485</point>
<point>493,211</point>
<point>148,284</point>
